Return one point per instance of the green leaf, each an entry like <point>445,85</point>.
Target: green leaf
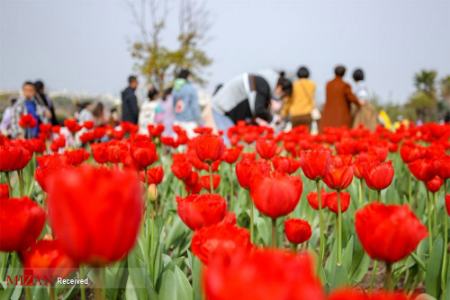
<point>139,278</point>
<point>347,255</point>
<point>432,279</point>
<point>264,230</point>
<point>196,271</point>
<point>174,285</point>
<point>361,270</point>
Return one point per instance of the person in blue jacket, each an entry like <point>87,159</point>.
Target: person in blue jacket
<point>186,104</point>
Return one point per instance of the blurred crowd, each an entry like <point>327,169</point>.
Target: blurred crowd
<point>266,98</point>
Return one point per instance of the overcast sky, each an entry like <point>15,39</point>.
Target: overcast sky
<point>84,45</point>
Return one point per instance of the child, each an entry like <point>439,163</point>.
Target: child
<point>148,110</point>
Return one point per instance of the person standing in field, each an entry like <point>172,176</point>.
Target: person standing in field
<point>366,115</point>
<point>164,111</point>
<point>85,113</point>
<point>148,110</point>
<point>99,114</point>
<point>5,125</point>
<point>186,104</point>
<point>130,109</point>
<point>339,98</point>
<point>28,104</point>
<point>43,98</point>
<point>299,106</point>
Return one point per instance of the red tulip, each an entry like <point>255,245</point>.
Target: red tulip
<point>443,167</point>
<point>314,201</point>
<point>332,201</point>
<point>155,175</point>
<point>47,165</point>
<point>209,147</point>
<point>356,294</point>
<point>21,222</point>
<point>230,218</point>
<point>423,169</point>
<point>339,175</point>
<point>169,141</point>
<point>100,152</point>
<point>13,157</point>
<point>315,163</point>
<point>286,165</point>
<point>181,167</point>
<point>434,184</point>
<point>192,183</point>
<point>224,238</point>
<point>388,232</point>
<point>275,194</point>
<point>87,137</point>
<point>76,157</point>
<point>59,142</point>
<point>205,182</point>
<point>380,176</point>
<point>48,261</point>
<point>410,152</point>
<point>85,203</point>
<point>247,168</point>
<point>197,211</point>
<point>231,155</point>
<point>297,231</point>
<point>72,125</point>
<point>362,163</point>
<point>380,153</point>
<point>88,124</point>
<point>36,145</point>
<point>27,121</point>
<point>118,152</point>
<point>4,191</point>
<point>143,152</point>
<point>262,274</point>
<point>266,148</point>
<point>155,130</point>
<point>243,172</point>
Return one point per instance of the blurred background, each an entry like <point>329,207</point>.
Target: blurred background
<point>86,49</point>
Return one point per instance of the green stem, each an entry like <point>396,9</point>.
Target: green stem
<point>52,292</point>
<point>157,208</point>
<point>430,224</point>
<point>211,187</point>
<point>360,192</point>
<point>339,224</point>
<point>274,233</point>
<point>4,267</point>
<point>82,288</point>
<point>374,274</point>
<point>410,190</point>
<point>433,205</point>
<point>21,182</point>
<point>8,181</point>
<point>321,225</point>
<point>388,284</point>
<point>379,196</point>
<point>252,212</point>
<point>294,247</point>
<point>99,290</point>
<point>444,259</point>
<point>231,187</point>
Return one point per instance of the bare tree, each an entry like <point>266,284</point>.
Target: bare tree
<point>157,61</point>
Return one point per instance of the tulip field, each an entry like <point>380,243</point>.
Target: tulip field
<point>107,213</point>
